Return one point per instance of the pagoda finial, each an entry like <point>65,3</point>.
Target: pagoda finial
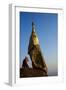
<point>32,23</point>
<point>33,27</point>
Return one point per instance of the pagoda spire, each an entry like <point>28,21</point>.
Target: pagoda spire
<point>33,38</point>
<point>34,51</point>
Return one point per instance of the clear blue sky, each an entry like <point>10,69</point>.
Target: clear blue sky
<point>47,30</point>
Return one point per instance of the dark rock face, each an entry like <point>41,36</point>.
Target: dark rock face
<point>29,72</point>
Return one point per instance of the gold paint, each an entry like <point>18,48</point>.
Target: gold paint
<point>35,40</point>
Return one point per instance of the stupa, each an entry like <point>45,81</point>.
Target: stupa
<point>35,53</point>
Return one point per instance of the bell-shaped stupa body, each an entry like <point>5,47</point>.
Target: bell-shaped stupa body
<point>34,51</point>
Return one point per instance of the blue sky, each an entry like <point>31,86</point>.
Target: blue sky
<point>47,31</point>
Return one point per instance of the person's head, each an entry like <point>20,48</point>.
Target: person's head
<point>25,62</point>
<point>26,58</point>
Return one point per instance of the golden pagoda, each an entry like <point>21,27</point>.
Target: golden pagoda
<point>34,51</point>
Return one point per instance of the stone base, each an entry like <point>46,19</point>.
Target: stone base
<point>30,72</point>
